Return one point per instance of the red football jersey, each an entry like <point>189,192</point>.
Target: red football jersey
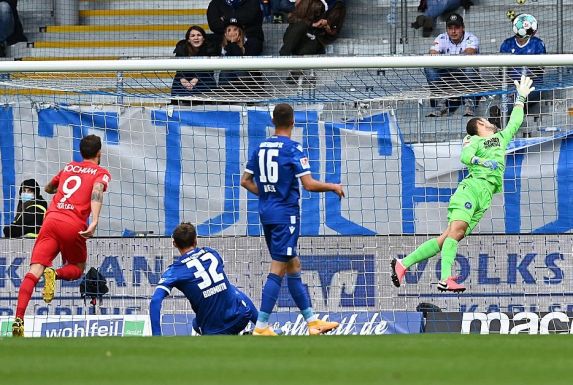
<point>75,182</point>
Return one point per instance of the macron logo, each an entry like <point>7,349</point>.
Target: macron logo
<point>291,228</point>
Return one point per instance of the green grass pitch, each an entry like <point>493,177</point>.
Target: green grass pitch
<point>328,360</point>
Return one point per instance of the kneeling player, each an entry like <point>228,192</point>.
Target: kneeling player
<point>220,307</point>
<point>484,154</point>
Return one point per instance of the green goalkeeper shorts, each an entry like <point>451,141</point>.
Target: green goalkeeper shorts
<point>470,201</point>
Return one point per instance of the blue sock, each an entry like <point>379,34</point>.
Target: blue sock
<point>300,295</point>
<point>270,294</point>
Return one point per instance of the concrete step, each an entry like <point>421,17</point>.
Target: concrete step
<point>21,50</point>
<point>143,19</point>
<point>142,4</point>
<point>108,43</point>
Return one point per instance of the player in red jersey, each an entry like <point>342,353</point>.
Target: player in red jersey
<point>79,189</point>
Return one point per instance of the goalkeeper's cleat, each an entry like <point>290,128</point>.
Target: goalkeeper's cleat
<point>49,285</point>
<point>398,272</point>
<point>320,327</point>
<point>268,332</point>
<point>450,284</point>
<point>18,327</point>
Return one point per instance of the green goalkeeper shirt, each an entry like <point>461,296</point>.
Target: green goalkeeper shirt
<point>491,148</point>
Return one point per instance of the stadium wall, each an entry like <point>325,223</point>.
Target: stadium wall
<point>347,278</point>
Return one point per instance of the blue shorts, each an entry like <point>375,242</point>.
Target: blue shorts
<point>282,240</point>
<point>249,313</point>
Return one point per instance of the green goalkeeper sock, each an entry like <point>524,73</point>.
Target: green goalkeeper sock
<point>426,250</point>
<point>449,252</point>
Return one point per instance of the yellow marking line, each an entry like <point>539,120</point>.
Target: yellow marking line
<point>142,12</point>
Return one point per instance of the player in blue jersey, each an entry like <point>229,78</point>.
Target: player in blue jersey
<point>272,173</point>
<point>220,307</point>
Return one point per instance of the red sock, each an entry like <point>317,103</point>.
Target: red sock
<point>25,293</point>
<point>69,272</point>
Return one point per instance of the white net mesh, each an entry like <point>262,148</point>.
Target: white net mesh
<point>365,128</point>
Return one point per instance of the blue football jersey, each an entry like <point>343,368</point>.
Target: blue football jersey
<point>276,166</point>
<point>534,46</point>
<point>199,274</point>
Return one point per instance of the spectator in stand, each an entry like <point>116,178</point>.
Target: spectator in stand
<point>433,9</point>
<point>29,213</point>
<point>332,23</point>
<point>455,41</point>
<point>246,13</point>
<point>524,42</point>
<point>233,44</point>
<point>196,43</point>
<point>11,31</point>
<point>305,22</point>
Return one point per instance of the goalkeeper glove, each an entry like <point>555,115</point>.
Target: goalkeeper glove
<point>491,164</point>
<point>524,88</point>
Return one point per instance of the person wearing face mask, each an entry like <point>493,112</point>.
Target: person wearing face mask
<point>30,212</point>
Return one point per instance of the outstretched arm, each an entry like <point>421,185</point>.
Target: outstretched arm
<point>155,310</point>
<point>523,88</point>
<point>313,185</point>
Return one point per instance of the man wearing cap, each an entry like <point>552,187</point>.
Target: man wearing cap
<point>455,41</point>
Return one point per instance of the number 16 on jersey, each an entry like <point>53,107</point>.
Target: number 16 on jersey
<point>269,168</point>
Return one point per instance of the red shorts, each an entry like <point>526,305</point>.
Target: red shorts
<point>59,237</point>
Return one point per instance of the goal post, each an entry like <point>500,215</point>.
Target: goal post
<point>362,121</point>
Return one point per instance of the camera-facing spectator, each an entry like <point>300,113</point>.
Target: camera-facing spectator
<point>246,13</point>
<point>11,31</point>
<point>29,213</point>
<point>455,41</point>
<point>196,43</point>
<point>232,45</point>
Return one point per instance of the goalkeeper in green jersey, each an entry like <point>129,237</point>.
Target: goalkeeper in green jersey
<point>484,153</point>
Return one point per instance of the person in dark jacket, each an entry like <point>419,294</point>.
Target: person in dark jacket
<point>233,45</point>
<point>11,31</point>
<point>196,43</point>
<point>247,13</point>
<point>301,35</point>
<point>30,212</point>
<point>332,23</point>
